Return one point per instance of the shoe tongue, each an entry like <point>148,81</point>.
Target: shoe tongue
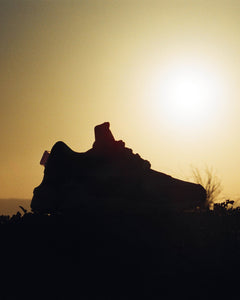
<point>103,136</point>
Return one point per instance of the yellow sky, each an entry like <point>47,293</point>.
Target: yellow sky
<point>67,66</point>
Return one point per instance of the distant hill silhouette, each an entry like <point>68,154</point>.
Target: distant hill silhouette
<point>110,177</point>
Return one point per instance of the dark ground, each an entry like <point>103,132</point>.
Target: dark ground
<point>113,255</point>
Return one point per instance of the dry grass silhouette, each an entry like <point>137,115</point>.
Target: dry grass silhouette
<point>209,181</point>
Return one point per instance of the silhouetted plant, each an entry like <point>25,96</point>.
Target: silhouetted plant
<point>209,181</point>
<point>225,207</point>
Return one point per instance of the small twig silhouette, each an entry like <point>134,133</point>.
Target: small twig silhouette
<point>23,209</point>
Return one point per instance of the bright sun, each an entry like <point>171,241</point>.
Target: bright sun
<point>188,95</point>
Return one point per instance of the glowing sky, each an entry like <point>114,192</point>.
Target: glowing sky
<point>67,66</point>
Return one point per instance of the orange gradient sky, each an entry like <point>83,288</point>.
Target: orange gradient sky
<point>165,74</point>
